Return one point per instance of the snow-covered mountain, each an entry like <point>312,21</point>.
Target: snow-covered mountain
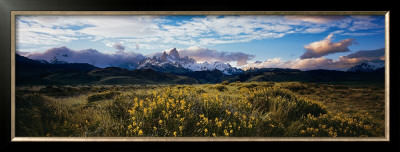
<point>127,60</point>
<point>55,60</point>
<point>367,67</point>
<point>173,63</point>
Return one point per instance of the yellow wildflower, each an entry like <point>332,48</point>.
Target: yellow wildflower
<point>228,112</point>
<point>226,132</point>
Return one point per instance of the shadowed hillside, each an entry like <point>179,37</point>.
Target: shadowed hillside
<point>32,72</point>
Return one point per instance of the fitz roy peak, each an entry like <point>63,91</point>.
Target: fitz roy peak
<point>173,63</point>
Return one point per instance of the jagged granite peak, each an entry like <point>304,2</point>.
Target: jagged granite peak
<point>164,57</point>
<point>173,53</point>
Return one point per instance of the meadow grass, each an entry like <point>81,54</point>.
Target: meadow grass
<point>256,109</point>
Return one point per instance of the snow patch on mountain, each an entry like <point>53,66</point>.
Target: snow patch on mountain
<point>55,60</point>
<point>367,67</point>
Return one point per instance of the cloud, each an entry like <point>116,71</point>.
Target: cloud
<point>365,23</point>
<point>318,63</point>
<point>191,30</point>
<point>117,45</point>
<point>36,34</point>
<point>315,18</point>
<point>343,63</point>
<point>137,45</point>
<point>121,26</point>
<point>325,47</point>
<point>208,55</point>
<point>155,32</point>
<point>120,59</point>
<point>365,55</point>
<point>316,30</point>
<point>303,64</point>
<point>205,54</point>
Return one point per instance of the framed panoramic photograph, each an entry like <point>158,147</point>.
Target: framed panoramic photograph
<point>199,76</point>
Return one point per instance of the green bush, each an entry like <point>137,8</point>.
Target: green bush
<point>225,82</point>
<point>102,96</point>
<point>248,85</point>
<point>336,125</point>
<point>221,88</point>
<point>294,86</point>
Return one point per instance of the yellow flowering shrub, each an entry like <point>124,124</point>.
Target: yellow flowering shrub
<point>337,125</point>
<point>186,111</point>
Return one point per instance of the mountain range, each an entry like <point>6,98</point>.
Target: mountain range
<point>173,63</point>
<point>172,69</point>
<point>33,72</point>
<point>367,67</point>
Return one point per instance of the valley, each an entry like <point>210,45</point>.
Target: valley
<point>172,96</point>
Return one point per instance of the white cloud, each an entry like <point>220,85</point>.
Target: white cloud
<point>343,63</point>
<point>188,30</point>
<point>35,34</point>
<point>121,26</point>
<point>201,54</point>
<point>364,23</point>
<point>325,47</point>
<point>315,18</point>
<point>316,30</point>
<point>205,54</point>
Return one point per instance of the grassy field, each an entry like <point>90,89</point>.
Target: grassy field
<point>258,109</point>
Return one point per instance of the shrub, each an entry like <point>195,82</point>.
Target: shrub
<point>336,125</point>
<point>221,88</point>
<point>249,112</point>
<point>225,82</point>
<point>37,115</point>
<point>102,96</point>
<point>249,86</point>
<point>118,109</point>
<point>270,84</point>
<point>294,86</point>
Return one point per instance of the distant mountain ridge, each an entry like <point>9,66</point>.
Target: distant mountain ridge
<point>127,60</point>
<point>173,69</point>
<point>33,72</point>
<point>366,67</point>
<point>42,65</point>
<point>173,63</point>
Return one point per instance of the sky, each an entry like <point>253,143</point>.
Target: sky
<point>284,41</point>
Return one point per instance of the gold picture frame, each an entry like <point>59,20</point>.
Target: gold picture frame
<point>199,139</point>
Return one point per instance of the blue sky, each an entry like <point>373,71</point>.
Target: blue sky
<point>304,42</point>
